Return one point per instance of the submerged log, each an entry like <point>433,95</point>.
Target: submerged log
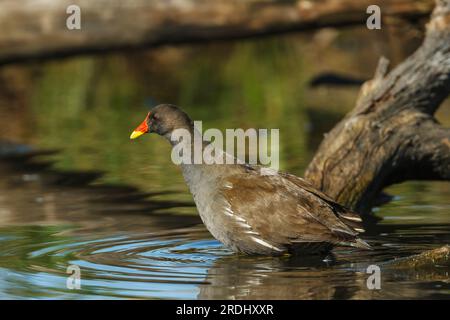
<point>431,265</point>
<point>423,261</point>
<point>391,135</point>
<point>37,29</point>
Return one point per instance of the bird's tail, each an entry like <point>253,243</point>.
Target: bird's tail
<point>361,244</point>
<point>356,243</point>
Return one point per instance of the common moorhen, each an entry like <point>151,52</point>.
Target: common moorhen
<point>255,213</point>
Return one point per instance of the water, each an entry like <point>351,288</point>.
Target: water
<point>120,210</point>
<point>123,253</point>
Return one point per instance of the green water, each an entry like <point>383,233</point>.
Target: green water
<point>120,210</point>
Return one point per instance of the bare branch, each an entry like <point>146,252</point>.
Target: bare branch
<point>391,135</point>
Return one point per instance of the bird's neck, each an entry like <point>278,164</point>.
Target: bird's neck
<point>201,162</point>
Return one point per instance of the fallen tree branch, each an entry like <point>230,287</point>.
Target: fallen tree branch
<point>37,29</point>
<point>425,260</point>
<point>391,135</point>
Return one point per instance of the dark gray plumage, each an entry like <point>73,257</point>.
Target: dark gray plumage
<point>259,213</point>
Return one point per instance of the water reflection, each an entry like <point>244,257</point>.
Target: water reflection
<point>130,245</point>
<point>186,263</point>
<point>34,192</point>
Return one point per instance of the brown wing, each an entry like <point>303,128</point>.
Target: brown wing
<point>282,211</point>
<point>347,216</point>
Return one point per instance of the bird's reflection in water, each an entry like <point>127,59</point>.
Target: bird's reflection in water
<point>277,278</point>
<point>341,275</point>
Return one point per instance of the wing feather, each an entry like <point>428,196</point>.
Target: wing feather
<point>285,210</point>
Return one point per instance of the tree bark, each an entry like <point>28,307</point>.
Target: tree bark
<point>391,135</point>
<point>424,261</point>
<point>37,29</point>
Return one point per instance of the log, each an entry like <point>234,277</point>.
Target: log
<point>391,135</point>
<point>423,261</point>
<point>37,28</point>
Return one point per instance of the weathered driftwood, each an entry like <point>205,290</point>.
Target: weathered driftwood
<point>427,260</point>
<point>391,135</point>
<point>431,265</point>
<point>33,29</point>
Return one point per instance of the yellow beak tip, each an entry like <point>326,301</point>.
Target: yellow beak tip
<point>136,134</point>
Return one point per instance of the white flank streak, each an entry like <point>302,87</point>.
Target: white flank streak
<point>262,242</point>
<point>229,212</point>
<point>229,185</point>
<point>351,218</point>
<point>240,219</point>
<point>244,224</point>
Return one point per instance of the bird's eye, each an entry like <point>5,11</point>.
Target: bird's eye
<point>155,117</point>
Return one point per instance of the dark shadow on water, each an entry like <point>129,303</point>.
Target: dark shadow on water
<point>334,79</point>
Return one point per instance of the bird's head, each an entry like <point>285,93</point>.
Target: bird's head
<point>163,120</point>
